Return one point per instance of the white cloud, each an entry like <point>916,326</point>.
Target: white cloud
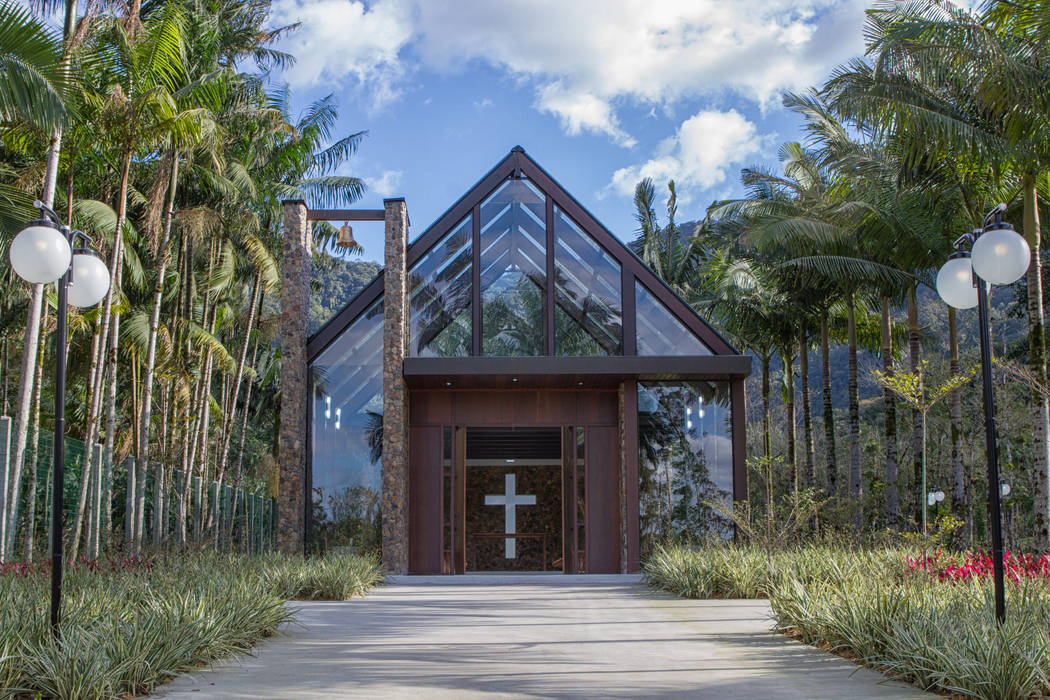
<point>585,58</point>
<point>581,111</point>
<point>341,41</point>
<point>698,156</point>
<point>386,184</point>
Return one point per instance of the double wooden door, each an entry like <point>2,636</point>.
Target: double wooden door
<point>584,475</point>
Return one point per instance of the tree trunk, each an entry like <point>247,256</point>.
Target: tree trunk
<point>154,328</point>
<point>108,327</point>
<point>829,417</point>
<point>1037,363</point>
<point>114,335</point>
<point>226,436</point>
<point>807,417</point>
<point>13,474</point>
<point>855,490</point>
<point>29,534</point>
<point>788,362</point>
<point>767,442</point>
<point>916,417</point>
<point>959,495</point>
<point>94,402</point>
<point>893,506</point>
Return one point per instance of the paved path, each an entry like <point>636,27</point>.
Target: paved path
<point>537,639</point>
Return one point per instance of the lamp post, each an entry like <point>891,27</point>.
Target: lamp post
<point>997,255</point>
<point>932,498</point>
<point>43,253</point>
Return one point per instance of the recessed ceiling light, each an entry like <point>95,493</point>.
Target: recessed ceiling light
<point>579,383</point>
<point>448,383</point>
<point>514,379</point>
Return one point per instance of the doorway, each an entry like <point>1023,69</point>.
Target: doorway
<point>516,481</point>
<point>512,499</point>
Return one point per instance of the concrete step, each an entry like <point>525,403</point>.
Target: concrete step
<point>536,578</point>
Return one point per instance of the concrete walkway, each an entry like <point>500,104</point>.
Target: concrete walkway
<point>534,638</point>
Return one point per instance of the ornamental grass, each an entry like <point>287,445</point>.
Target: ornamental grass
<point>131,624</point>
<point>888,610</point>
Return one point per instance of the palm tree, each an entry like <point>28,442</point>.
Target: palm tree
<point>972,87</point>
<point>34,81</point>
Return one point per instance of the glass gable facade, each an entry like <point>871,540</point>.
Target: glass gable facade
<point>347,435</point>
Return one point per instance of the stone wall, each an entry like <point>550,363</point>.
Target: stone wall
<point>296,268</point>
<point>395,394</point>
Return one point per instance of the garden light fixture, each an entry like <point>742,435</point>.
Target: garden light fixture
<point>998,255</point>
<point>43,253</point>
<point>955,281</point>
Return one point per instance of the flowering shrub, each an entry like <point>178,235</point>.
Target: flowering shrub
<point>978,565</point>
<point>113,565</point>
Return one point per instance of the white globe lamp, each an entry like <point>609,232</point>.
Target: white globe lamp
<point>40,253</point>
<point>90,281</point>
<point>955,282</point>
<point>1001,255</point>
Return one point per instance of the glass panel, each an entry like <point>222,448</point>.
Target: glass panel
<point>347,437</point>
<point>685,461</point>
<point>659,332</point>
<point>588,317</point>
<point>513,270</point>
<point>439,289</point>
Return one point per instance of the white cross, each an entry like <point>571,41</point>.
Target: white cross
<point>509,500</point>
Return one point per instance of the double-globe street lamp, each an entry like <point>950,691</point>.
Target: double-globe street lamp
<point>42,253</point>
<point>997,255</point>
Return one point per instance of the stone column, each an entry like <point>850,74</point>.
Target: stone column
<point>296,267</point>
<point>395,394</point>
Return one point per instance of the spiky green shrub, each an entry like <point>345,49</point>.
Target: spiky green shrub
<point>725,571</point>
<point>939,635</point>
<point>125,630</point>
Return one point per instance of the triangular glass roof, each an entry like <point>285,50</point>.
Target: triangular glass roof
<point>517,267</point>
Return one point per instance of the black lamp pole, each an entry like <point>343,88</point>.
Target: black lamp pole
<point>59,445</point>
<point>992,222</point>
<point>991,448</point>
<point>33,257</point>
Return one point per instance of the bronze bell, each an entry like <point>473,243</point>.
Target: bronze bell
<point>346,236</point>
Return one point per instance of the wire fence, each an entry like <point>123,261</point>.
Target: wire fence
<point>227,516</point>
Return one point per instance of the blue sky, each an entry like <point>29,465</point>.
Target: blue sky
<point>599,92</point>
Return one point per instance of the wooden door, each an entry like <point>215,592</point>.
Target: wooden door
<point>603,500</point>
<point>425,500</point>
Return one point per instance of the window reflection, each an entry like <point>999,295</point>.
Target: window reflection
<point>513,270</point>
<point>439,291</point>
<point>588,317</point>
<point>347,437</point>
<point>659,332</point>
<point>685,461</point>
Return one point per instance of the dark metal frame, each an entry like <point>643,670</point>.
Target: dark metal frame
<point>518,164</point>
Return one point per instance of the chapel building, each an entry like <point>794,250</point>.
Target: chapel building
<point>515,391</point>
